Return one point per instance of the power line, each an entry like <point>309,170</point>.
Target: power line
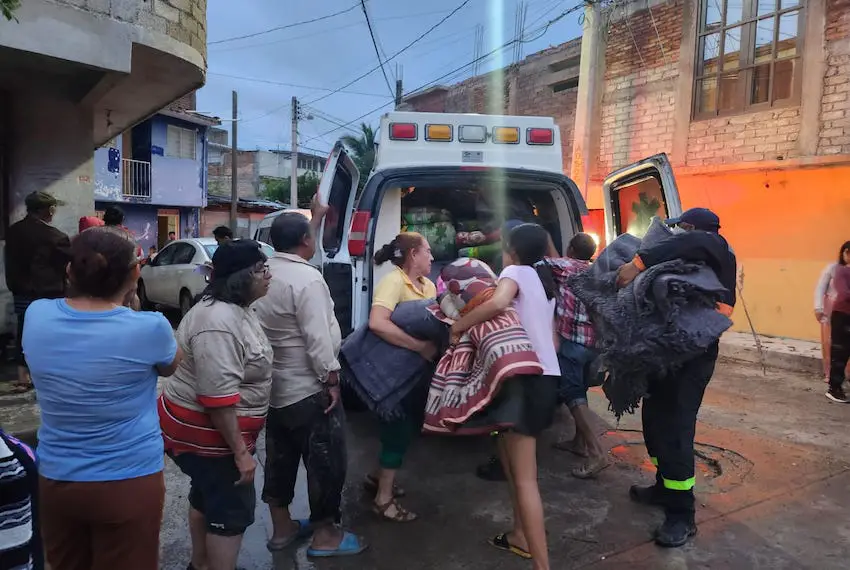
<point>270,82</point>
<point>395,55</point>
<point>287,26</point>
<point>375,45</point>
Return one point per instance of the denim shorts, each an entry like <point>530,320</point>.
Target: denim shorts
<point>575,360</point>
<point>228,508</point>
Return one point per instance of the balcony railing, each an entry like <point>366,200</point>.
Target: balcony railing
<point>136,181</point>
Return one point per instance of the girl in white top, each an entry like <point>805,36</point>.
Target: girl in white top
<point>529,287</point>
<point>823,302</point>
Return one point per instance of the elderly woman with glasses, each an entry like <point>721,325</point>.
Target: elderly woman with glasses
<point>213,408</point>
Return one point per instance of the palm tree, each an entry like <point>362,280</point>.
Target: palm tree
<point>362,149</point>
<point>7,8</point>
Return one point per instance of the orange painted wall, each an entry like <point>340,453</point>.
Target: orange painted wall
<point>785,225</point>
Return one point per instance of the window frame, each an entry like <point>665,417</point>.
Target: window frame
<point>180,134</point>
<point>748,25</point>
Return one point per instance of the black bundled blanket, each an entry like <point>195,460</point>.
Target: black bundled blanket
<point>382,374</point>
<point>664,318</point>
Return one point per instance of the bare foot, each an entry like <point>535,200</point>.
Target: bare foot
<point>578,448</point>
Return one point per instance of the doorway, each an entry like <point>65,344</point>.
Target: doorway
<point>167,221</point>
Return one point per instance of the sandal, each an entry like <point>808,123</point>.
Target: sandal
<point>401,515</point>
<point>501,542</point>
<point>590,469</point>
<point>304,530</point>
<point>370,483</point>
<point>569,445</point>
<point>350,545</point>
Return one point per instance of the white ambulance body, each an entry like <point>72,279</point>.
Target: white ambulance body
<point>466,164</point>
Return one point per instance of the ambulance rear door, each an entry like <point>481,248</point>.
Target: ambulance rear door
<point>634,194</point>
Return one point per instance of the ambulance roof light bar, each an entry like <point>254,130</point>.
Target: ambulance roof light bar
<point>404,131</point>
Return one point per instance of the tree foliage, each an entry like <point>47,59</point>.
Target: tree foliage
<point>362,149</point>
<point>8,7</point>
<point>278,189</point>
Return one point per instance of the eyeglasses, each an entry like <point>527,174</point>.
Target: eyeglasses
<point>263,271</point>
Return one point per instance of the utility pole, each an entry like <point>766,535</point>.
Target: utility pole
<point>293,174</point>
<point>398,92</point>
<point>234,187</point>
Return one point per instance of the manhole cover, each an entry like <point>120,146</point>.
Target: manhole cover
<point>717,470</point>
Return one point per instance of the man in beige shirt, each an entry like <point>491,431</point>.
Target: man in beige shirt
<point>305,420</point>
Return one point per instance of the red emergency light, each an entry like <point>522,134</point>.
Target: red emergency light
<point>403,131</point>
<point>357,235</point>
<point>540,136</point>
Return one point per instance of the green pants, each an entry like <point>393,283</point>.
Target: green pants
<point>396,437</point>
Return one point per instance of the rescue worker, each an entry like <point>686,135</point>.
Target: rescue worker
<point>669,410</point>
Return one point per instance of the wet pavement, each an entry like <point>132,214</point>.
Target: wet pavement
<point>772,484</point>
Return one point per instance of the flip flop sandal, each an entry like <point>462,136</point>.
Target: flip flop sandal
<point>568,446</point>
<point>402,515</point>
<point>588,471</point>
<point>304,530</point>
<point>501,542</point>
<point>371,485</point>
<point>350,545</point>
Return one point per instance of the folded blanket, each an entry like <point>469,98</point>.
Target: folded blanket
<point>655,324</point>
<point>382,374</point>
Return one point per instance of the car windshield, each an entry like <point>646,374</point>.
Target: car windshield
<point>267,249</point>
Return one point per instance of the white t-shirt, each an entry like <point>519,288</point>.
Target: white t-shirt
<point>536,313</point>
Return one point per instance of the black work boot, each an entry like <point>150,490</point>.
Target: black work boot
<point>676,530</point>
<point>650,495</point>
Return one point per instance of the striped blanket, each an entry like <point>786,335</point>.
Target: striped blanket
<point>470,374</point>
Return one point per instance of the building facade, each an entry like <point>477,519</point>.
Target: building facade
<point>751,102</point>
<point>157,174</point>
<point>74,74</point>
<point>255,167</point>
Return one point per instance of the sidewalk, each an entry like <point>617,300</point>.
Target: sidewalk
<point>779,353</point>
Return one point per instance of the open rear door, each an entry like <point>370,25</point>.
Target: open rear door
<point>638,192</point>
<point>337,189</point>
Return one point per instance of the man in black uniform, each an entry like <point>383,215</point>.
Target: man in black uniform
<point>669,410</point>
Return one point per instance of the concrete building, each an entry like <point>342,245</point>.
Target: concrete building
<point>76,73</point>
<point>157,173</point>
<point>751,102</point>
<point>254,167</point>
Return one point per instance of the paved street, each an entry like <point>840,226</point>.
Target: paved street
<point>772,478</point>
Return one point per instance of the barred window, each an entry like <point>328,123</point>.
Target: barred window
<point>180,142</point>
<point>748,55</point>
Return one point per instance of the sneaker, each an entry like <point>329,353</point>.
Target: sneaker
<point>837,395</point>
<point>491,471</point>
<point>650,495</point>
<point>675,532</point>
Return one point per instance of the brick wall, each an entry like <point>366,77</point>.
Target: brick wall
<point>183,20</point>
<point>835,107</point>
<point>638,98</point>
<point>768,135</point>
<point>247,182</point>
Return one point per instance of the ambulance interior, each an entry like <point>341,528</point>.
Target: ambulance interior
<point>463,216</point>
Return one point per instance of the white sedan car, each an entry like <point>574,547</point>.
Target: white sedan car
<point>172,279</point>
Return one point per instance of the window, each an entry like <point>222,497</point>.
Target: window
<point>165,256</point>
<point>338,202</point>
<point>748,55</point>
<point>180,142</point>
<point>184,254</point>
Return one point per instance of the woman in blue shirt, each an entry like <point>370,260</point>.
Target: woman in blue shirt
<point>94,364</point>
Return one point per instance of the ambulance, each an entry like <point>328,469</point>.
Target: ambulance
<point>466,167</point>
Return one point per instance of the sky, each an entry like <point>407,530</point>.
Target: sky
<point>312,60</point>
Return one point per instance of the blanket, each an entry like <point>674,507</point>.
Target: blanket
<point>471,373</point>
<point>664,318</point>
<point>382,374</point>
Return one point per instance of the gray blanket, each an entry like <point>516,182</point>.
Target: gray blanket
<point>664,318</point>
<point>383,374</point>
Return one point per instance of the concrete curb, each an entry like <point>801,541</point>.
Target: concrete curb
<point>779,353</point>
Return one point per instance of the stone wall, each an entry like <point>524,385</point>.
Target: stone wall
<point>835,107</point>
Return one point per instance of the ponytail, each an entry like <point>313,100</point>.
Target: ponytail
<point>547,278</point>
<point>398,251</point>
<point>529,242</point>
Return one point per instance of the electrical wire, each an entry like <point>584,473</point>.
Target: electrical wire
<point>375,45</point>
<point>285,27</point>
<point>311,87</point>
<point>395,55</point>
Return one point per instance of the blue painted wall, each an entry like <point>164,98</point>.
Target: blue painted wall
<point>107,172</point>
<point>174,181</point>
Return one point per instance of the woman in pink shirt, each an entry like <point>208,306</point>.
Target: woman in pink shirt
<point>528,285</point>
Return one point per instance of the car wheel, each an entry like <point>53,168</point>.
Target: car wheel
<point>185,302</point>
<point>143,297</point>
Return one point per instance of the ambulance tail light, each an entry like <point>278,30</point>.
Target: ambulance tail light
<point>357,234</point>
<point>472,134</point>
<point>404,131</point>
<point>439,133</point>
<point>540,136</point>
<point>506,135</point>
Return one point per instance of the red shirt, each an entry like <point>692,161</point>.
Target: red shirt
<point>573,321</point>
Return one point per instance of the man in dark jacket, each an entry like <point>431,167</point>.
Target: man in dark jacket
<point>36,256</point>
<point>669,411</point>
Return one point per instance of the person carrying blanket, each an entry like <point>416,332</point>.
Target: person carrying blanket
<point>529,400</point>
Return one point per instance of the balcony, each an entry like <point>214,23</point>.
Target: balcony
<point>136,179</point>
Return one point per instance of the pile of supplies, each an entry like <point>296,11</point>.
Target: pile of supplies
<point>450,238</point>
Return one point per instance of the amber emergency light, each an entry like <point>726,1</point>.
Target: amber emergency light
<point>506,135</point>
<point>441,133</point>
